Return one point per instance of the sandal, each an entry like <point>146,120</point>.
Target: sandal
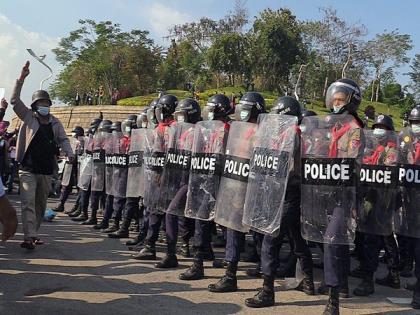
<point>27,245</point>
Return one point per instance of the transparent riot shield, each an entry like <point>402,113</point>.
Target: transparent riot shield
<point>377,183</point>
<point>407,218</point>
<point>120,165</point>
<point>85,172</point>
<point>206,168</point>
<point>135,175</point>
<point>67,173</point>
<point>177,168</point>
<point>271,161</point>
<point>109,167</point>
<point>154,162</point>
<point>331,152</point>
<point>232,190</point>
<point>98,167</point>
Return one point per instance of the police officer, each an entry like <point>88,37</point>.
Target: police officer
<point>187,111</point>
<point>78,134</point>
<point>217,108</point>
<point>163,112</point>
<point>343,97</point>
<point>386,153</point>
<point>81,213</point>
<point>250,106</point>
<point>290,223</point>
<point>132,203</point>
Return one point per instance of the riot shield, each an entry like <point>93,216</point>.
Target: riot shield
<point>270,164</point>
<point>377,183</point>
<point>120,165</point>
<point>177,168</point>
<point>67,172</point>
<point>206,168</point>
<point>135,175</point>
<point>154,162</point>
<point>407,218</point>
<point>231,196</point>
<point>331,152</point>
<point>85,172</point>
<point>109,168</point>
<point>98,168</point>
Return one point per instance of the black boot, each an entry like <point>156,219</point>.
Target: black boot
<point>91,221</point>
<point>113,228</point>
<point>77,211</point>
<point>228,283</point>
<point>416,297</point>
<point>103,225</point>
<point>123,231</point>
<point>333,305</point>
<point>307,285</point>
<point>137,240</point>
<point>82,217</point>
<point>169,261</point>
<point>392,280</point>
<point>184,250</point>
<point>147,253</point>
<point>59,207</point>
<point>195,272</point>
<point>343,292</point>
<point>72,210</point>
<point>265,295</point>
<point>366,287</point>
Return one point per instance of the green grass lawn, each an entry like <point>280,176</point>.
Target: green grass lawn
<point>317,106</point>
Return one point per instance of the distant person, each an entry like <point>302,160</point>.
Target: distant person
<point>39,137</point>
<point>101,93</point>
<point>77,100</point>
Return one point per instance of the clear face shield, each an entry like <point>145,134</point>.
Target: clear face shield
<point>151,116</point>
<point>126,128</point>
<point>243,111</point>
<point>142,120</point>
<point>181,116</point>
<point>159,112</point>
<point>338,96</point>
<point>209,111</point>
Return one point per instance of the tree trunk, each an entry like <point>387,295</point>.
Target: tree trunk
<point>324,93</point>
<point>373,90</point>
<point>377,90</point>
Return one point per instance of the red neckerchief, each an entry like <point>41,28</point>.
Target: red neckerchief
<point>336,135</point>
<point>125,143</point>
<point>373,160</point>
<point>417,154</point>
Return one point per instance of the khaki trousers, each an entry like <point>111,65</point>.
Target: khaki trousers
<point>34,191</point>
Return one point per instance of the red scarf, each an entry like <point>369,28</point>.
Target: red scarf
<point>336,135</point>
<point>417,155</point>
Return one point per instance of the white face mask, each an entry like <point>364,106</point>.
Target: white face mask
<point>336,109</point>
<point>43,110</point>
<point>379,132</point>
<point>244,115</point>
<point>161,116</point>
<point>210,116</point>
<point>303,129</point>
<point>415,128</point>
<point>127,129</point>
<point>144,124</point>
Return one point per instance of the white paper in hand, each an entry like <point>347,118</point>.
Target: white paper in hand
<point>2,92</point>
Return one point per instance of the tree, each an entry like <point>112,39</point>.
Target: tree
<point>415,76</point>
<point>386,48</point>
<point>276,45</point>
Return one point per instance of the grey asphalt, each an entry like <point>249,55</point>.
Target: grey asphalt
<point>81,271</point>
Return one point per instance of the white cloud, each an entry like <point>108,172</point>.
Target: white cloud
<point>161,17</point>
<point>14,40</point>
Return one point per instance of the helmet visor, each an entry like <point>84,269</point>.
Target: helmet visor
<point>142,120</point>
<point>209,111</point>
<point>339,94</point>
<point>181,116</point>
<point>243,111</point>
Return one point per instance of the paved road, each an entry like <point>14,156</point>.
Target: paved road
<point>79,271</point>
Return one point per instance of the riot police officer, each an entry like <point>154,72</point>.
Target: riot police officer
<point>290,222</point>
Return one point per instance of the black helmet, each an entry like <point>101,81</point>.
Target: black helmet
<point>414,114</point>
<point>116,126</point>
<point>347,92</point>
<point>188,110</point>
<point>40,95</point>
<point>287,105</point>
<point>166,107</point>
<point>127,125</point>
<point>250,106</point>
<point>133,118</point>
<point>105,126</point>
<point>142,119</point>
<point>95,122</point>
<point>384,120</point>
<point>217,107</point>
<point>78,131</point>
<point>90,131</point>
<point>308,113</point>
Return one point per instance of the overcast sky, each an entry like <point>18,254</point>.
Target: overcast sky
<point>40,24</point>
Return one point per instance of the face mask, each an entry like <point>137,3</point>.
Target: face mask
<point>303,129</point>
<point>244,115</point>
<point>337,109</point>
<point>127,129</point>
<point>180,119</point>
<point>161,116</point>
<point>328,135</point>
<point>379,132</point>
<point>415,128</point>
<point>43,110</point>
<point>144,124</point>
<point>73,134</point>
<point>210,116</point>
